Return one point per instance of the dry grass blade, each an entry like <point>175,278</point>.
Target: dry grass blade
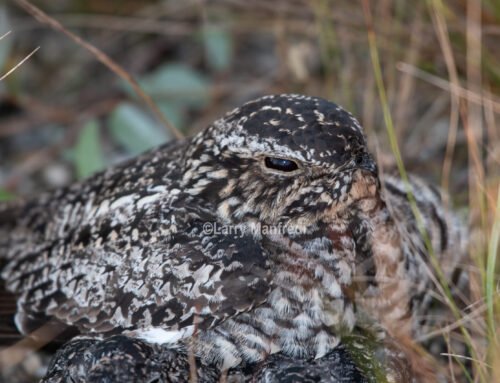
<point>407,82</point>
<point>103,58</point>
<point>466,358</point>
<point>491,294</point>
<point>474,111</point>
<point>19,64</point>
<point>15,354</point>
<point>443,283</point>
<point>468,319</point>
<point>446,85</point>
<point>5,35</point>
<point>129,24</point>
<point>444,41</point>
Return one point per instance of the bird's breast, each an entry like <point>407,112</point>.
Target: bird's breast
<point>303,316</point>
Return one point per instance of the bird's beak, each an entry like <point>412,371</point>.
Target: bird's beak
<point>368,164</point>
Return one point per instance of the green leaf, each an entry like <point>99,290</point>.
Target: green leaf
<point>218,48</point>
<point>173,112</point>
<point>135,130</point>
<point>6,196</point>
<point>88,157</point>
<point>177,84</point>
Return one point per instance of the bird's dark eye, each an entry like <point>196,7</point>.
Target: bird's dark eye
<point>281,164</point>
<point>359,159</point>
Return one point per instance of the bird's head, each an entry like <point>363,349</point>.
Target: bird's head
<point>282,160</point>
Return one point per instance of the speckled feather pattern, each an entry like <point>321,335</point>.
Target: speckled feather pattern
<point>125,251</point>
<point>127,360</point>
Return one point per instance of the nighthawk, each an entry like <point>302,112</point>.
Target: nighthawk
<point>268,232</point>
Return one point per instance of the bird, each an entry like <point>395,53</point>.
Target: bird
<point>268,232</point>
<point>124,359</point>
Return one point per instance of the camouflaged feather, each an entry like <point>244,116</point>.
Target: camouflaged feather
<point>126,250</point>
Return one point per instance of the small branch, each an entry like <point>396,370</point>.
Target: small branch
<point>103,58</point>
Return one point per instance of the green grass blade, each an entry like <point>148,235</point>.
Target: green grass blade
<point>491,270</point>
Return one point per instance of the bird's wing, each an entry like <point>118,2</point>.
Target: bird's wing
<point>126,249</point>
<point>158,267</point>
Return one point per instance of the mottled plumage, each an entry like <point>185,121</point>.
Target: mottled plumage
<point>128,251</point>
<point>127,360</point>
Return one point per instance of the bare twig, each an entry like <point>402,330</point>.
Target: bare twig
<point>103,58</point>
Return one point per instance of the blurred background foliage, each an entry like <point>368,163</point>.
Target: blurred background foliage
<point>64,115</point>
